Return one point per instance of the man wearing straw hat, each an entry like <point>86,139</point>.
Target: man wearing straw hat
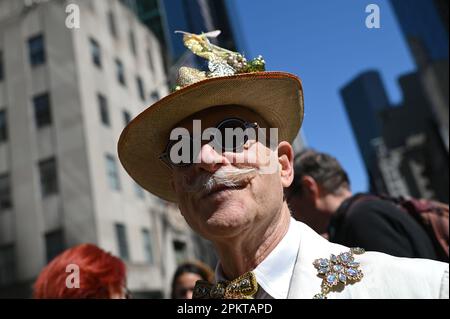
<point>219,147</point>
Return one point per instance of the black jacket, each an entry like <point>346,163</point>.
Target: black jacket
<point>379,225</point>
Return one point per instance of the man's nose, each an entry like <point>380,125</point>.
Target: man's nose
<point>209,159</point>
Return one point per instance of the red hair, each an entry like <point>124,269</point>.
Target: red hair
<point>100,273</point>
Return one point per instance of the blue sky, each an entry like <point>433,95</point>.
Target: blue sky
<point>327,44</point>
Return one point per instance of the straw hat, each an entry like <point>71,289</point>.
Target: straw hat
<point>275,96</point>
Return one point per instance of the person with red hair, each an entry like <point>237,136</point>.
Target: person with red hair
<point>84,271</point>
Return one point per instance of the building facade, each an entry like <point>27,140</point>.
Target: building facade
<point>424,24</point>
<point>164,17</point>
<point>405,147</point>
<point>65,96</point>
<point>424,27</point>
<point>364,98</point>
<point>412,131</point>
<point>401,145</point>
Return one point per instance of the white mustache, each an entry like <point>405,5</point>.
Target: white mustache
<point>229,177</point>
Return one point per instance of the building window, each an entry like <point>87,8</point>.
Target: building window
<point>1,66</point>
<point>112,172</point>
<point>112,24</point>
<point>140,86</point>
<point>120,72</point>
<point>180,251</point>
<point>37,50</point>
<point>132,42</point>
<point>96,53</point>
<point>155,96</point>
<point>121,235</point>
<point>7,265</point>
<point>49,177</point>
<point>5,192</point>
<point>150,60</point>
<point>126,117</point>
<point>54,244</point>
<point>103,109</point>
<point>42,111</point>
<point>3,126</point>
<point>148,247</point>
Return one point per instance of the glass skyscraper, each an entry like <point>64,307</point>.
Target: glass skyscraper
<point>425,25</point>
<point>364,97</point>
<point>164,17</point>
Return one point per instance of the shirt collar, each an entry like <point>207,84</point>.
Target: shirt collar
<point>275,271</point>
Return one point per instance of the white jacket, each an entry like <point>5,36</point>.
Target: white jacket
<point>385,276</point>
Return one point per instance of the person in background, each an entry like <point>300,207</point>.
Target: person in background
<point>320,196</point>
<point>101,275</point>
<point>185,277</point>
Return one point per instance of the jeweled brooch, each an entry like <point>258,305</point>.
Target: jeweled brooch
<point>338,271</point>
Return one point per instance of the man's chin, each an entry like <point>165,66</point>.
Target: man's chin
<point>226,222</point>
<point>223,202</point>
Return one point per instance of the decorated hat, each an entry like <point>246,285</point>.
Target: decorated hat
<point>230,80</point>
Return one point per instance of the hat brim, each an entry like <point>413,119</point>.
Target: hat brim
<point>276,96</point>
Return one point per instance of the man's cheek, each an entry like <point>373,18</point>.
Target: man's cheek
<point>256,156</point>
<point>267,162</point>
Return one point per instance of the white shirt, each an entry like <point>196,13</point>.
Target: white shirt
<point>274,273</point>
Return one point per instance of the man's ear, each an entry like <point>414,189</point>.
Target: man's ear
<point>286,162</point>
<point>311,187</point>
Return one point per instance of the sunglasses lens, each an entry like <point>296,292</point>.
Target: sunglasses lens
<point>180,152</point>
<point>233,135</point>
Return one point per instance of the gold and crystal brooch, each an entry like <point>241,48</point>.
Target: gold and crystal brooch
<point>338,271</point>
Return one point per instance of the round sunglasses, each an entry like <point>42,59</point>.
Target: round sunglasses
<point>219,139</point>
